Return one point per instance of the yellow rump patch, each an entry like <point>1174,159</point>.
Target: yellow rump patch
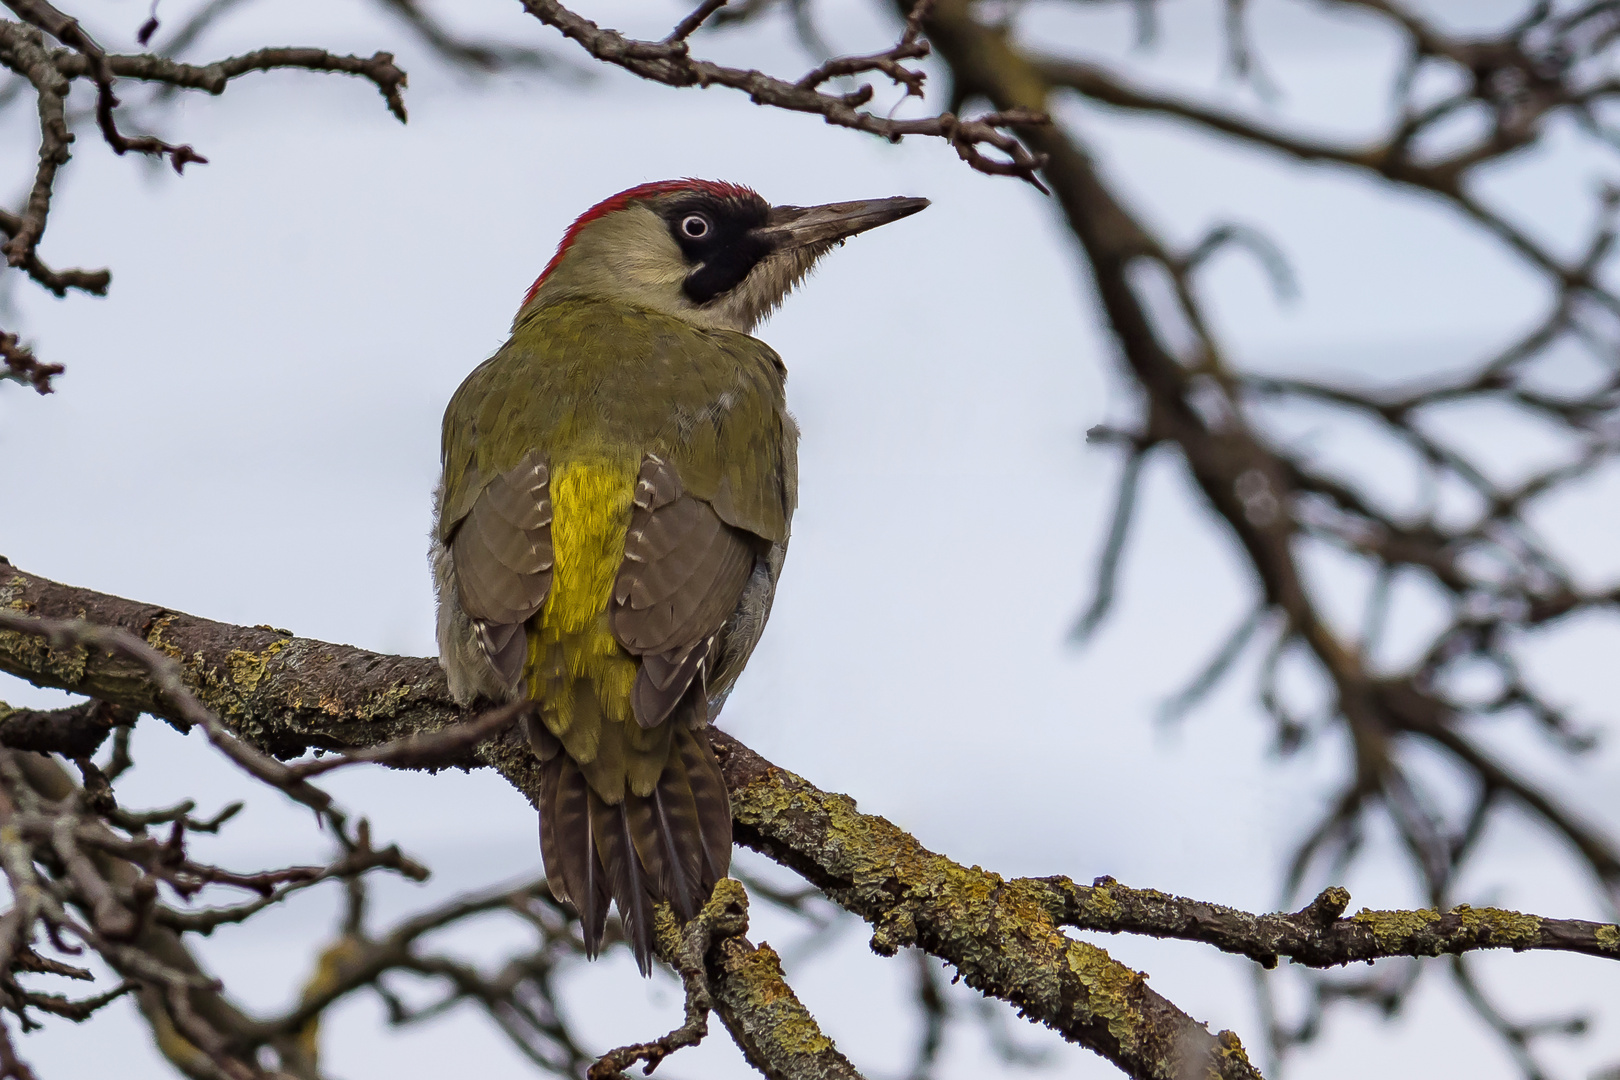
<point>571,640</point>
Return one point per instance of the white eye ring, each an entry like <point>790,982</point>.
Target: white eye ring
<point>695,226</point>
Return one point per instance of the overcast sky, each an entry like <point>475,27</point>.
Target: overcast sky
<point>249,432</point>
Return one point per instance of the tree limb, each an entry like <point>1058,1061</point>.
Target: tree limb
<point>1002,935</point>
<point>291,692</point>
<point>670,62</point>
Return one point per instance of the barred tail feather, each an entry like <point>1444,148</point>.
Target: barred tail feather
<point>568,847</point>
<point>633,888</point>
<point>708,784</point>
<point>673,844</point>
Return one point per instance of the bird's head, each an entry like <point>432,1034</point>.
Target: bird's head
<point>715,254</point>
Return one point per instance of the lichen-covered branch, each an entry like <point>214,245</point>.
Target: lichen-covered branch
<point>769,1023</point>
<point>721,970</point>
<point>1002,935</point>
<point>285,694</point>
<point>998,933</point>
<point>1318,935</point>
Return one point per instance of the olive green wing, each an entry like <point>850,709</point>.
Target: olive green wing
<point>497,533</point>
<point>683,575</point>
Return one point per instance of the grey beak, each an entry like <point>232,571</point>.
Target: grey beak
<point>800,226</point>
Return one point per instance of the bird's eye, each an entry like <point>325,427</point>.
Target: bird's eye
<point>695,226</point>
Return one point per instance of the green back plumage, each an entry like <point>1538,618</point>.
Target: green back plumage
<point>594,378</point>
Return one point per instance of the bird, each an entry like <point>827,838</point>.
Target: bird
<point>618,484</point>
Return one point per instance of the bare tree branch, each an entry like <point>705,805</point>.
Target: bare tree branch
<point>669,62</point>
<point>50,74</point>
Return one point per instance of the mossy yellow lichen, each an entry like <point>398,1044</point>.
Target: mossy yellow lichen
<point>793,1030</point>
<point>893,932</point>
<point>1102,902</point>
<point>154,638</point>
<point>1229,1058</point>
<point>333,961</point>
<point>1111,990</point>
<point>174,1046</point>
<point>1334,899</point>
<point>1608,937</point>
<point>248,669</point>
<point>1494,926</point>
<point>388,703</point>
<point>1465,926</point>
<point>32,653</point>
<point>1395,926</point>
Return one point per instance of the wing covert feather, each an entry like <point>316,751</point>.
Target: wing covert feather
<point>502,558</point>
<point>683,573</point>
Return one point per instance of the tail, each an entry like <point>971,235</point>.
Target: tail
<point>673,844</point>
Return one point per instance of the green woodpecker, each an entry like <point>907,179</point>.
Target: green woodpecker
<point>618,483</point>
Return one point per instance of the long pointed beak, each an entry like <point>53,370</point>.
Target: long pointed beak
<point>800,226</point>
